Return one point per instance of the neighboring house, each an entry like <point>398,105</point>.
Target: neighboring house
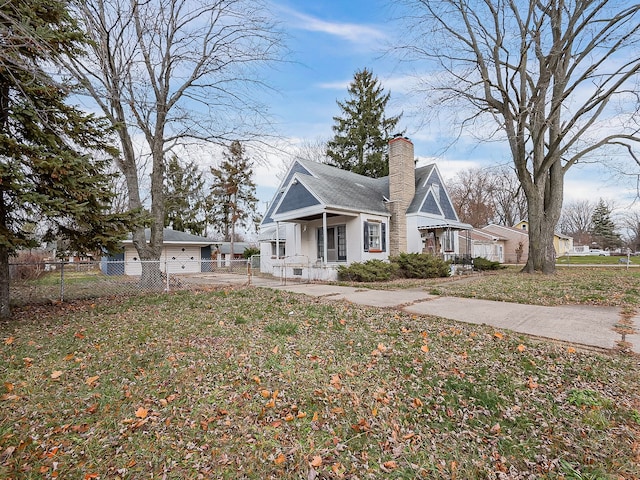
<point>322,217</point>
<point>181,253</point>
<point>563,244</point>
<point>514,241</point>
<point>221,253</point>
<point>508,244</point>
<point>476,243</point>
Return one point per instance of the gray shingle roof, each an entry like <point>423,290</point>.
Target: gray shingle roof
<point>344,190</point>
<point>174,236</point>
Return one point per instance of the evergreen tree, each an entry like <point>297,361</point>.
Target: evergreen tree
<point>46,172</point>
<point>184,198</point>
<point>603,227</point>
<point>233,200</point>
<point>363,131</point>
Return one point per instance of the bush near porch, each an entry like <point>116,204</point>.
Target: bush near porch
<point>405,265</point>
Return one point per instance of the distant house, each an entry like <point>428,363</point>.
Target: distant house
<point>181,253</point>
<point>476,243</point>
<point>508,244</point>
<point>322,217</point>
<point>221,252</point>
<point>561,243</point>
<point>514,241</point>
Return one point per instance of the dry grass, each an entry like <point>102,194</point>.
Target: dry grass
<point>251,383</point>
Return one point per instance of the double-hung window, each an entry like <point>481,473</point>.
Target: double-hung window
<point>374,236</point>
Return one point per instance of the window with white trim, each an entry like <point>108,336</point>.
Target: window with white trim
<point>375,236</point>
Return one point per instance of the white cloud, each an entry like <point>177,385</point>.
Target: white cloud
<point>352,32</point>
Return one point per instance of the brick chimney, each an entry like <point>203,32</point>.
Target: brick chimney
<point>402,189</point>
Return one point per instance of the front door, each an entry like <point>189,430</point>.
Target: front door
<point>336,243</point>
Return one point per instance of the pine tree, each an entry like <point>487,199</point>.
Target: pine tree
<point>46,172</point>
<point>184,198</point>
<point>363,131</point>
<point>603,227</point>
<point>233,200</point>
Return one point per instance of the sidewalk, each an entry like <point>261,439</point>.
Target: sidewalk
<point>577,324</point>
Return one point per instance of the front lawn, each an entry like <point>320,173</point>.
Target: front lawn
<point>252,383</point>
<point>583,285</point>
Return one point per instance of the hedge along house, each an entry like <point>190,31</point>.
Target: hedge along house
<point>181,253</point>
<point>322,217</point>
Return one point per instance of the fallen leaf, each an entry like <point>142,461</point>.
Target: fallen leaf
<point>79,335</point>
<point>532,384</point>
<point>289,417</point>
<point>571,350</point>
<point>275,349</point>
<point>382,348</point>
<point>280,459</point>
<point>142,412</point>
<point>9,340</point>
<point>92,380</point>
<point>316,461</point>
<point>498,335</point>
<point>7,453</point>
<point>265,393</point>
<point>521,348</point>
<point>425,348</point>
<point>56,374</point>
<point>390,465</point>
<point>256,379</point>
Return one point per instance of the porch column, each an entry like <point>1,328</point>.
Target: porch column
<point>324,237</point>
<point>277,240</point>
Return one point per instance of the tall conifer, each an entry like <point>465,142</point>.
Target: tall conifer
<point>233,200</point>
<point>362,131</point>
<point>46,171</point>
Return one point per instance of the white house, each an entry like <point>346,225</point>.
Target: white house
<point>361,218</point>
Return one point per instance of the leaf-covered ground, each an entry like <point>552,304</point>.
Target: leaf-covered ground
<point>252,383</point>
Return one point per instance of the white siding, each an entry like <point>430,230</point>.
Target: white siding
<point>178,259</point>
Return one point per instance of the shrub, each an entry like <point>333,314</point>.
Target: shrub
<point>249,252</point>
<point>421,265</point>
<point>28,266</point>
<point>369,271</point>
<point>481,263</point>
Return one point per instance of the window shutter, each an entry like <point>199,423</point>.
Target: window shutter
<point>383,234</point>
<point>366,236</point>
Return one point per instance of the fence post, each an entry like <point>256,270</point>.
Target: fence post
<point>166,272</point>
<point>62,281</point>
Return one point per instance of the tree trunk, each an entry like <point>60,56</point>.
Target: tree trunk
<point>544,199</point>
<point>5,310</point>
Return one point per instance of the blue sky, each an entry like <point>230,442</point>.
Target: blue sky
<point>329,41</point>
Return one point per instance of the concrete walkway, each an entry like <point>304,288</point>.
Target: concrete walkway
<point>596,327</point>
<point>578,324</point>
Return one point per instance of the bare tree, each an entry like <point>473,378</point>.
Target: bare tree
<point>575,221</point>
<point>488,195</point>
<point>631,224</point>
<point>472,192</point>
<point>508,196</point>
<point>557,80</point>
<point>166,72</point>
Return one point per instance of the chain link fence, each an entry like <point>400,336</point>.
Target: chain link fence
<point>47,281</point>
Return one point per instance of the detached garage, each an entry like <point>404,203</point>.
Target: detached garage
<point>181,253</point>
